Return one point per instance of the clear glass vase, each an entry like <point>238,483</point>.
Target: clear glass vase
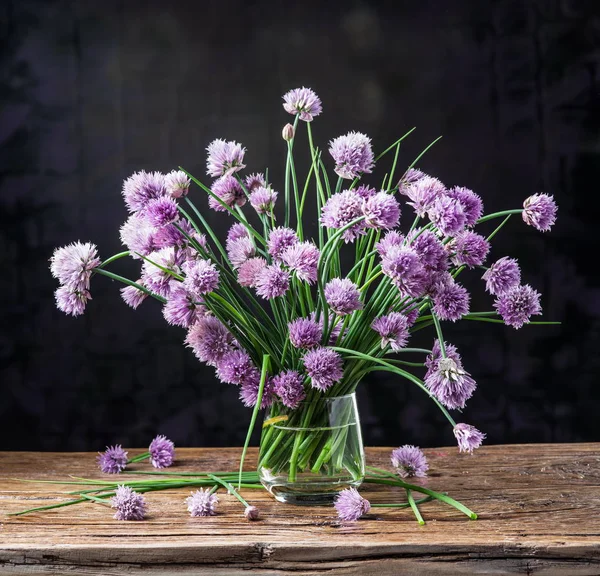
<point>309,454</point>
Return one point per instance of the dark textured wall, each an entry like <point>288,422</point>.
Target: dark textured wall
<point>91,91</point>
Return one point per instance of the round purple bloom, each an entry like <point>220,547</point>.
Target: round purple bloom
<point>73,264</point>
<point>393,329</point>
<point>539,211</point>
<point>353,155</point>
<point>71,301</point>
<point>409,462</point>
<point>272,282</point>
<point>229,191</point>
<point>155,278</point>
<point>177,184</point>
<point>411,315</point>
<point>263,200</point>
<point>113,460</point>
<point>254,181</point>
<point>251,513</point>
<point>289,387</point>
<point>279,240</point>
<point>403,265</point>
<point>471,203</point>
<point>237,231</point>
<point>343,296</point>
<point>129,504</point>
<point>448,215</point>
<point>431,251</point>
<point>392,238</point>
<point>411,176</point>
<point>365,192</point>
<point>202,503</point>
<point>423,192</point>
<point>341,209</point>
<point>302,101</point>
<point>210,340</point>
<point>161,211</point>
<point>201,277</point>
<point>324,366</point>
<point>133,296</point>
<point>249,392</point>
<point>303,259</point>
<point>502,275</point>
<point>137,234</point>
<point>169,236</point>
<point>250,270</point>
<point>236,367</point>
<point>162,452</point>
<point>451,301</point>
<point>240,250</point>
<point>518,304</point>
<point>468,437</point>
<point>470,249</point>
<point>182,308</point>
<point>381,211</point>
<point>350,505</point>
<point>224,158</point>
<point>141,187</point>
<point>305,333</point>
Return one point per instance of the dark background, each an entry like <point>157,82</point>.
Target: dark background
<point>91,91</point>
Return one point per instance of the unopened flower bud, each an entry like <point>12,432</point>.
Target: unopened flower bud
<point>288,132</point>
<point>251,513</point>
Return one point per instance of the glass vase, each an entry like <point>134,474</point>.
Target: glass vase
<point>309,454</point>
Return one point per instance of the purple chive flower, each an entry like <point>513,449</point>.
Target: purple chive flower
<point>229,191</point>
<point>446,378</point>
<point>133,296</point>
<point>141,187</point>
<point>249,392</point>
<point>254,181</point>
<point>210,340</point>
<point>251,513</point>
<point>240,250</point>
<point>155,278</point>
<point>353,155</point>
<point>539,211</point>
<point>365,192</point>
<point>411,315</point>
<point>263,200</point>
<point>392,238</point>
<point>468,437</point>
<point>411,176</point>
<point>224,158</point>
<point>423,193</point>
<point>350,505</point>
<point>381,211</point>
<point>250,270</point>
<point>302,101</point>
<point>341,209</point>
<point>237,231</point>
<point>73,265</point>
<point>201,277</point>
<point>71,301</point>
<point>471,203</point>
<point>169,236</point>
<point>161,211</point>
<point>113,460</point>
<point>410,462</point>
<point>393,329</point>
<point>177,184</point>
<point>202,503</point>
<point>289,387</point>
<point>343,296</point>
<point>162,452</point>
<point>137,234</point>
<point>236,367</point>
<point>303,259</point>
<point>448,215</point>
<point>451,301</point>
<point>129,504</point>
<point>324,366</point>
<point>279,240</point>
<point>182,308</point>
<point>502,275</point>
<point>470,249</point>
<point>403,265</point>
<point>518,304</point>
<point>272,282</point>
<point>431,251</point>
<point>305,333</point>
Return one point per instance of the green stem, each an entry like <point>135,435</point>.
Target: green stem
<point>130,283</point>
<point>414,507</point>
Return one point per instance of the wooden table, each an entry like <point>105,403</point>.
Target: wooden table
<point>538,506</point>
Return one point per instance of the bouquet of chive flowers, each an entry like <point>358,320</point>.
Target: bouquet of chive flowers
<point>291,320</point>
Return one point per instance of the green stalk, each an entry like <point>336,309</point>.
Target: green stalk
<point>414,507</point>
<point>499,215</point>
<point>130,283</point>
<point>115,257</point>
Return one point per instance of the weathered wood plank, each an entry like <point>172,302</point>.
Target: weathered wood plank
<point>538,506</point>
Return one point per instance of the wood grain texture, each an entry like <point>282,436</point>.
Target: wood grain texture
<point>538,506</point>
